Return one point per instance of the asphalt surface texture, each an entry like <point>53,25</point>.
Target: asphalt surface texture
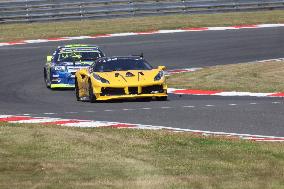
<point>22,88</point>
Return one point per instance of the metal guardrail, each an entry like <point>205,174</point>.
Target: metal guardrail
<point>51,10</point>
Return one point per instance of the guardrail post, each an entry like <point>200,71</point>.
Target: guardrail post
<point>157,5</point>
<point>132,8</point>
<point>260,4</point>
<point>81,10</point>
<point>27,11</point>
<point>53,6</point>
<point>235,5</point>
<point>184,9</point>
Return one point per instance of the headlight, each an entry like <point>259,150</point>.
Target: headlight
<point>99,78</point>
<point>159,76</point>
<point>59,68</point>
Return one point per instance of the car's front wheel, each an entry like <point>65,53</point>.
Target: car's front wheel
<point>92,96</point>
<point>47,83</point>
<point>77,90</point>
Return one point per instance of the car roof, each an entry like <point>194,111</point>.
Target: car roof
<point>78,47</point>
<point>123,57</point>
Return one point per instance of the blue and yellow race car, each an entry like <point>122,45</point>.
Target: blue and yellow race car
<point>60,68</point>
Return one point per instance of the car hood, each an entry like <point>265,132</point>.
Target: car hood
<point>131,77</point>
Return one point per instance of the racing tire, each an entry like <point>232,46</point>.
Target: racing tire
<point>77,90</point>
<point>92,97</point>
<point>163,98</point>
<point>45,79</point>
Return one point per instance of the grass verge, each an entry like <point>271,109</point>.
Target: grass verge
<point>249,77</point>
<point>12,32</point>
<point>36,156</point>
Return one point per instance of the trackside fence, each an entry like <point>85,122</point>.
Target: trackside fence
<point>50,10</point>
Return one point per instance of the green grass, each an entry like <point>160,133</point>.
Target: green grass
<point>11,32</point>
<point>34,156</point>
<point>250,77</point>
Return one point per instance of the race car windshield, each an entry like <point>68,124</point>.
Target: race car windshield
<point>84,56</point>
<point>115,64</point>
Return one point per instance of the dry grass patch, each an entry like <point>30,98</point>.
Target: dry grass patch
<point>10,32</point>
<point>251,77</point>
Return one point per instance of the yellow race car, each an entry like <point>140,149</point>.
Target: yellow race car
<point>120,78</point>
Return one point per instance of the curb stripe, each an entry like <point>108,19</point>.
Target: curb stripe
<point>5,116</point>
<point>148,32</point>
<point>120,125</point>
<point>95,124</point>
<point>62,122</point>
<point>222,93</point>
<point>195,92</point>
<point>86,124</point>
<point>100,36</point>
<point>277,95</point>
<point>183,70</point>
<point>238,27</point>
<point>15,118</point>
<point>234,93</point>
<point>245,26</point>
<point>197,29</point>
<point>35,120</point>
<point>56,39</point>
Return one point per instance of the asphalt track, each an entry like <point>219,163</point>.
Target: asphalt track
<point>23,91</point>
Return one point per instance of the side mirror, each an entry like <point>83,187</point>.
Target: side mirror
<point>162,67</point>
<point>83,71</point>
<point>48,58</point>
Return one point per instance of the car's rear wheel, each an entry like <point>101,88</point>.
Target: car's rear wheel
<point>92,97</point>
<point>77,90</point>
<point>47,83</point>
